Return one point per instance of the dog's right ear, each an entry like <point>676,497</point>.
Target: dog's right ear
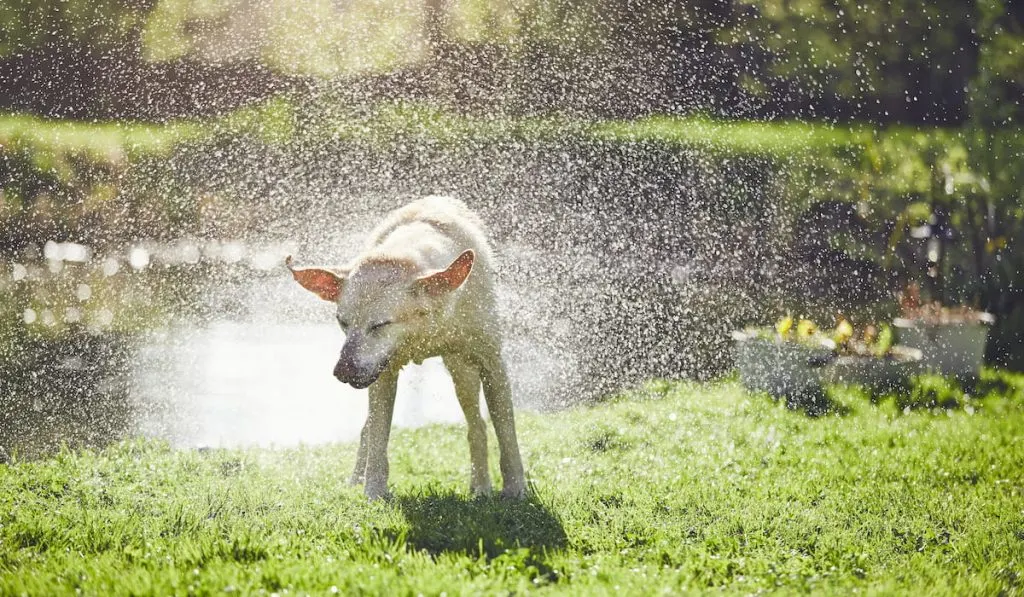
<point>323,282</point>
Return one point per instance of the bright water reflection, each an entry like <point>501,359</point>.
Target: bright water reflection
<point>241,384</point>
<point>213,352</point>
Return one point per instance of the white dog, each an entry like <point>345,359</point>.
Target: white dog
<point>423,287</point>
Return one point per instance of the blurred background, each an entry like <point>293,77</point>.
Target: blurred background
<point>654,175</point>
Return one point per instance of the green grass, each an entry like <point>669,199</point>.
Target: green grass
<point>735,137</point>
<point>274,120</point>
<point>897,157</point>
<point>387,122</point>
<point>100,141</point>
<point>673,488</point>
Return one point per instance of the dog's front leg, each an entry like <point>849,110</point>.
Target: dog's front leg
<point>498,394</point>
<point>359,474</point>
<point>376,433</point>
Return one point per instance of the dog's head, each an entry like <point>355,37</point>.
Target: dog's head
<point>381,305</point>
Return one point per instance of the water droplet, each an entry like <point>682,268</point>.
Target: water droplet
<point>138,258</point>
<point>51,250</point>
<point>75,252</point>
<point>232,251</point>
<point>73,315</point>
<point>104,317</point>
<point>110,266</point>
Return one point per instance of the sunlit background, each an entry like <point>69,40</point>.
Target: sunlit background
<point>654,175</point>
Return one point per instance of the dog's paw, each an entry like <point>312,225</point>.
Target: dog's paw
<point>374,493</point>
<point>480,491</point>
<point>514,491</point>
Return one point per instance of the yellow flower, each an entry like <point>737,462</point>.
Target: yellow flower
<point>806,328</point>
<point>995,244</point>
<point>784,326</point>
<point>843,332</point>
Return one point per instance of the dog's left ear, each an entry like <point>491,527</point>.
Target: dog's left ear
<point>450,278</point>
<point>325,283</point>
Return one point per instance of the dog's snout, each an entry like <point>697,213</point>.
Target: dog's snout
<point>341,371</point>
<point>352,370</point>
<point>356,379</point>
<point>346,369</point>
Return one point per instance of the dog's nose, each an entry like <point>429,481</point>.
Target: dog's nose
<point>346,371</point>
<point>356,381</point>
<point>352,368</point>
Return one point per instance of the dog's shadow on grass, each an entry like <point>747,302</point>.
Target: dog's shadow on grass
<point>447,522</point>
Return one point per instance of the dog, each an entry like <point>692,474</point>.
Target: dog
<point>423,287</point>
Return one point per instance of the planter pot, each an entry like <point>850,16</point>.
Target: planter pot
<point>954,349</point>
<point>781,368</point>
<point>879,374</point>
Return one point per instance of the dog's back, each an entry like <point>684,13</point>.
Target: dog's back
<point>445,215</point>
<point>431,232</point>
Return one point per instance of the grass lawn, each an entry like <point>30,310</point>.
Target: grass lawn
<point>677,487</point>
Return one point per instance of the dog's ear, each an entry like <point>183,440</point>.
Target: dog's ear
<point>325,283</point>
<point>450,278</point>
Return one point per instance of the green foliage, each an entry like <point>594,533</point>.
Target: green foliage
<point>61,177</point>
<point>845,48</point>
<point>930,390</point>
<point>783,140</point>
<point>322,39</point>
<point>999,382</point>
<point>108,142</point>
<point>805,58</point>
<point>999,84</point>
<point>679,488</point>
<point>104,25</point>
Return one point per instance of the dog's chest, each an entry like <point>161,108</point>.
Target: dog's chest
<point>428,345</point>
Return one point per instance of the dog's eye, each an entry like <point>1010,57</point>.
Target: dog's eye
<point>343,323</point>
<point>379,326</point>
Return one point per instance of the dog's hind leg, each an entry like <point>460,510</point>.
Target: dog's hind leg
<point>466,377</point>
<point>377,431</point>
<point>498,394</point>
